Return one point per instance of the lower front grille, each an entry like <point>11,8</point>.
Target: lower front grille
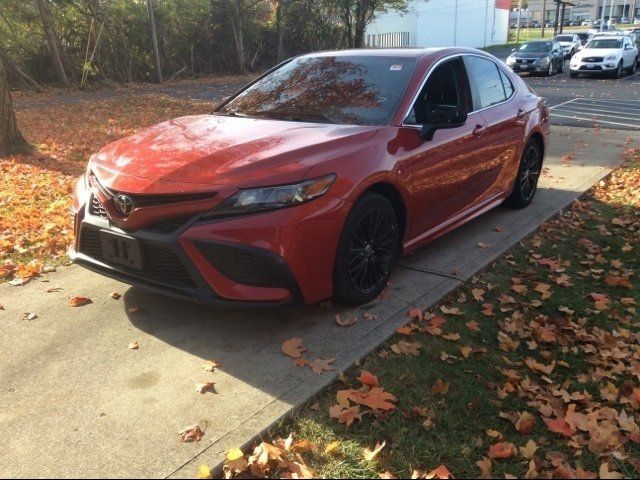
<point>245,266</point>
<point>160,264</point>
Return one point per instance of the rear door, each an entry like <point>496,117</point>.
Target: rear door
<point>494,98</point>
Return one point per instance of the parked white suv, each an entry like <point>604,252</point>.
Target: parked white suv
<point>570,43</point>
<point>610,54</point>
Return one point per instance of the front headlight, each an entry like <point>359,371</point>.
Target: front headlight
<point>611,58</point>
<point>510,60</point>
<point>271,198</point>
<point>543,61</point>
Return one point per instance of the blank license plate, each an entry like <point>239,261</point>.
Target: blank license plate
<point>121,249</point>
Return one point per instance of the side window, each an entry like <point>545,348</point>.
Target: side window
<point>506,82</point>
<point>487,86</point>
<point>445,89</point>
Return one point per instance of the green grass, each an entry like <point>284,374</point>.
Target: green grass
<point>527,34</point>
<point>471,406</point>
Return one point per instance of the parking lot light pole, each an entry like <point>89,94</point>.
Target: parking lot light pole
<point>604,6</point>
<point>544,16</point>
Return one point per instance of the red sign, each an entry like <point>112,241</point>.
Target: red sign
<point>503,4</point>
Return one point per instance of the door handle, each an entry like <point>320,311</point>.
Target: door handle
<point>479,130</point>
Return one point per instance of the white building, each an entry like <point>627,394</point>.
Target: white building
<point>442,23</point>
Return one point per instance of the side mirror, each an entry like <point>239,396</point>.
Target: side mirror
<point>442,117</point>
<point>514,49</point>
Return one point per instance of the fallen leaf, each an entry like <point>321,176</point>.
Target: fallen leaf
<point>440,388</point>
<point>441,472</point>
<point>406,348</point>
<point>191,434</point>
<point>320,365</point>
<point>347,322</point>
<point>526,423</point>
<point>117,296</point>
<point>204,472</point>
<point>502,450</point>
<point>29,316</point>
<point>529,450</point>
<point>210,365</point>
<point>133,346</point>
<point>204,387</point>
<point>367,378</point>
<point>293,348</point>
<point>369,455</point>
<point>78,301</point>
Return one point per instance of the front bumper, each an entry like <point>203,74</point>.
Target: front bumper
<point>269,258</point>
<point>589,67</point>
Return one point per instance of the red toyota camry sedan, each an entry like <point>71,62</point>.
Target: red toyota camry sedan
<point>309,182</point>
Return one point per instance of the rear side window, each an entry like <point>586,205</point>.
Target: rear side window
<point>508,86</point>
<point>487,87</point>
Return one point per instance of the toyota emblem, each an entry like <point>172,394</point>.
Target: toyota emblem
<point>123,204</point>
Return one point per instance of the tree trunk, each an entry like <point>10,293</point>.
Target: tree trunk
<point>238,36</point>
<point>11,139</point>
<point>154,42</point>
<point>52,40</point>
<point>280,16</point>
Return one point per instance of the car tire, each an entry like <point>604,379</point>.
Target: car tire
<point>526,182</point>
<point>561,67</point>
<point>633,69</point>
<point>549,72</point>
<point>368,247</point>
<point>618,73</point>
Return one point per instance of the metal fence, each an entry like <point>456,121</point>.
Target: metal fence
<point>387,40</point>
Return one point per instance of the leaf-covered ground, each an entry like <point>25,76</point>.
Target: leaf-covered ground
<point>532,369</point>
<point>35,188</point>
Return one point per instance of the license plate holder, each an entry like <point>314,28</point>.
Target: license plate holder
<point>590,66</point>
<point>121,249</point>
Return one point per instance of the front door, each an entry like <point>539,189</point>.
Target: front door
<point>448,171</point>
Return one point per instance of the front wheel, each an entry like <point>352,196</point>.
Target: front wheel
<point>561,67</point>
<point>368,248</point>
<point>618,72</point>
<point>574,74</point>
<point>549,72</point>
<point>526,183</point>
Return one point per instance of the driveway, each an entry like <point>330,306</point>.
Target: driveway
<point>76,401</point>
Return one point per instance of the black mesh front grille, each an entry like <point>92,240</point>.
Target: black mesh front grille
<point>168,226</point>
<point>97,209</point>
<point>160,264</point>
<point>593,59</point>
<point>90,243</point>
<point>244,266</point>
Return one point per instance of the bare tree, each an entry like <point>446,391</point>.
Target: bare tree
<point>154,42</point>
<point>52,40</point>
<point>11,139</point>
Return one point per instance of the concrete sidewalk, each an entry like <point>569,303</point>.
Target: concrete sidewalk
<point>75,401</point>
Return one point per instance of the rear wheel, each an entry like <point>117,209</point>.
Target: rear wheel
<point>526,183</point>
<point>634,67</point>
<point>561,67</point>
<point>368,247</point>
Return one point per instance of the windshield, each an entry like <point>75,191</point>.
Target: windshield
<point>536,47</point>
<point>346,90</point>
<point>605,43</point>
<point>564,38</point>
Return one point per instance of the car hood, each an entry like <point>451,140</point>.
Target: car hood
<point>598,52</point>
<point>565,44</point>
<point>196,152</point>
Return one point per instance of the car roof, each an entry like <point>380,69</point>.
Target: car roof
<point>393,52</point>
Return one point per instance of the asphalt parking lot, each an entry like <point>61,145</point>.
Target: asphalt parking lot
<point>595,101</point>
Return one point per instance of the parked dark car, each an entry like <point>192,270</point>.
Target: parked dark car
<point>540,56</point>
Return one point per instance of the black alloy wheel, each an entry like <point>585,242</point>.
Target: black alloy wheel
<point>526,183</point>
<point>368,248</point>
